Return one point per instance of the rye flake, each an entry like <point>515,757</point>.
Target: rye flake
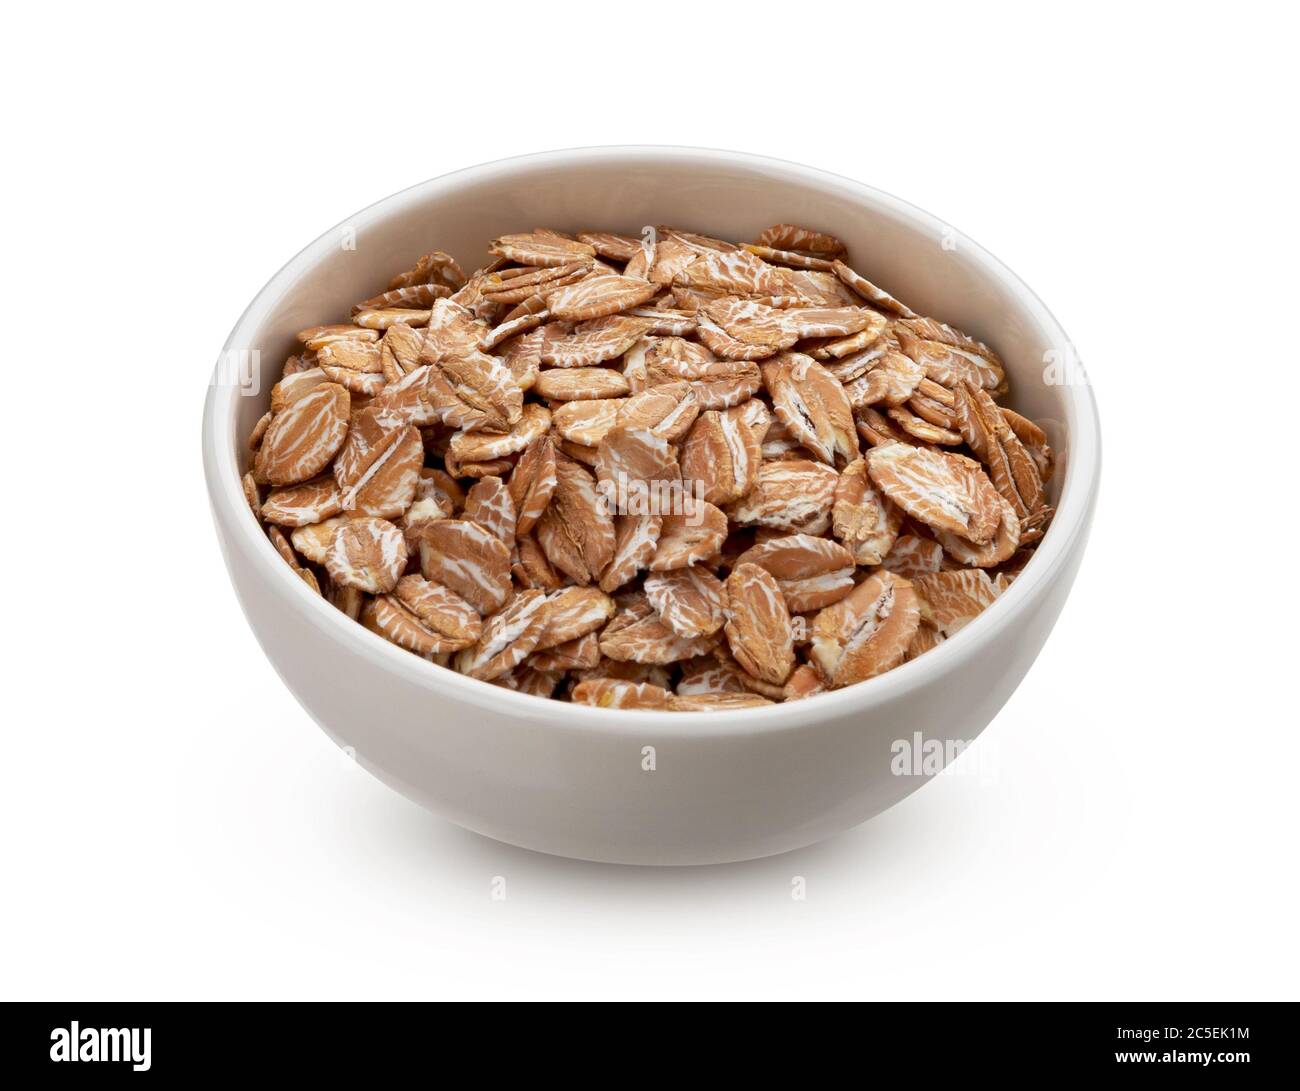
<point>650,470</point>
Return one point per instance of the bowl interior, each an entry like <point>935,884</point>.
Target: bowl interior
<point>906,251</point>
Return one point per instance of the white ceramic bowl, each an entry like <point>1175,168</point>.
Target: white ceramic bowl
<point>573,780</point>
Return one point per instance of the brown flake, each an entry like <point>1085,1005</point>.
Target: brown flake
<point>877,297</point>
<point>942,490</point>
<point>475,392</point>
<point>581,384</point>
<point>813,406</point>
<point>576,531</point>
<point>866,633</point>
<point>573,655</point>
<point>612,693</point>
<point>439,608</point>
<point>1013,472</point>
<point>669,410</point>
<point>586,422</point>
<point>252,494</point>
<point>793,237</point>
<point>508,637</point>
<point>628,455</point>
<point>301,505</point>
<point>721,455</point>
<point>636,537</point>
<point>469,560</point>
<point>434,267</point>
<point>804,681</point>
<point>637,634</point>
<point>317,337</point>
<point>611,246</point>
<point>303,437</point>
<point>952,600</point>
<point>533,423</point>
<point>911,556</point>
<point>517,285</point>
<point>926,639</point>
<point>366,553</point>
<point>812,572</point>
<point>541,249</point>
<point>378,468</point>
<point>572,613</point>
<point>997,549</point>
<point>690,535</point>
<point>921,429</point>
<point>758,624</point>
<point>690,600</point>
<point>715,702</point>
<point>395,622</point>
<point>591,343</point>
<point>412,297</point>
<point>489,504</point>
<point>794,495</point>
<point>532,482</point>
<point>597,295</point>
<point>864,520</point>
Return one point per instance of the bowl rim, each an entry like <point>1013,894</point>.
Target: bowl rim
<point>1081,478</point>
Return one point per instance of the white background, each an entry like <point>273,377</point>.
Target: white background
<point>173,823</point>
